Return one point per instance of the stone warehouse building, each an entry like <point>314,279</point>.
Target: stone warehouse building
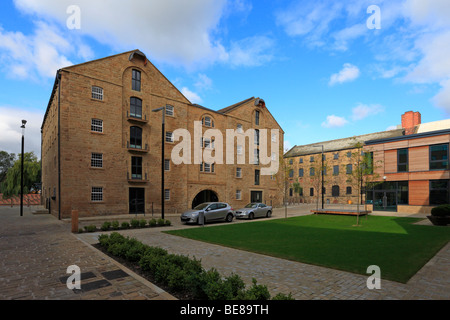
<point>410,164</point>
<point>101,143</point>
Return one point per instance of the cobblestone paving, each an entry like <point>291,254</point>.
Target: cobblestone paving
<point>35,251</point>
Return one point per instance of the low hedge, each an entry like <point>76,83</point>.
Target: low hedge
<point>441,211</point>
<point>134,223</point>
<point>182,274</point>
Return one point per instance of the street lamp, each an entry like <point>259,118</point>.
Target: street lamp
<point>163,138</point>
<point>24,122</point>
<point>321,146</point>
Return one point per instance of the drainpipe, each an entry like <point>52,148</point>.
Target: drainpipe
<point>59,144</point>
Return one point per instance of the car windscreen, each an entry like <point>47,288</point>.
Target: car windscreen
<point>251,205</point>
<point>201,206</point>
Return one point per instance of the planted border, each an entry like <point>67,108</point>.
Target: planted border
<point>181,275</point>
<point>133,224</point>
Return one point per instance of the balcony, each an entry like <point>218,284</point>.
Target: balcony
<point>137,178</point>
<point>137,148</point>
<point>137,118</point>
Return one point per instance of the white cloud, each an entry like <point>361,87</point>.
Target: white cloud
<point>11,137</point>
<point>391,128</point>
<point>250,52</point>
<point>362,111</point>
<point>191,96</point>
<point>334,122</point>
<point>348,73</point>
<point>203,82</point>
<point>442,99</point>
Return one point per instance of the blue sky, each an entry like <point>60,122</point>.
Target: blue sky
<point>323,73</point>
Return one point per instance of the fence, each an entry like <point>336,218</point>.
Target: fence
<point>28,200</point>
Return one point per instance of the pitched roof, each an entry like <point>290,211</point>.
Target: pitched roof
<point>229,108</point>
<point>341,144</point>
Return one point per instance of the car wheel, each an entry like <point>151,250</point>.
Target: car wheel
<point>269,214</point>
<point>229,218</point>
<point>251,216</point>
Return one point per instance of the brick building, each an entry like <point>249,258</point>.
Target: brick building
<point>410,167</point>
<point>101,143</point>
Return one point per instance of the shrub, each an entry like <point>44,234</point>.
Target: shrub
<point>441,211</point>
<point>134,223</point>
<point>152,223</point>
<point>115,225</point>
<point>90,228</point>
<point>282,296</point>
<point>142,223</point>
<point>168,223</point>
<point>125,225</point>
<point>105,226</point>
<point>256,292</point>
<point>161,222</point>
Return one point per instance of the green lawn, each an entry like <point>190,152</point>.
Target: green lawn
<point>397,246</point>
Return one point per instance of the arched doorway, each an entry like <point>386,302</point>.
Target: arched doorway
<point>205,196</point>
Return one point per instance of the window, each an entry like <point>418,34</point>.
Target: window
<point>291,173</point>
<point>135,107</point>
<point>439,157</point>
<point>238,172</point>
<point>207,167</point>
<point>136,138</point>
<point>257,177</point>
<point>335,170</point>
<point>349,154</point>
<point>166,194</point>
<point>97,160</point>
<point>238,194</point>
<point>207,143</point>
<point>439,192</point>
<point>136,168</point>
<point>257,117</point>
<point>311,159</point>
<point>274,137</point>
<point>256,156</point>
<point>312,172</point>
<point>239,149</point>
<point>97,93</point>
<point>349,190</point>
<point>97,194</point>
<point>169,111</point>
<point>207,122</point>
<point>291,161</point>
<point>300,172</point>
<point>257,137</point>
<point>335,191</point>
<point>300,160</point>
<point>136,80</point>
<point>368,162</point>
<point>239,128</point>
<point>96,125</point>
<point>349,169</point>
<point>336,156</point>
<point>311,192</point>
<point>291,192</point>
<point>166,164</point>
<point>169,136</point>
<point>402,160</point>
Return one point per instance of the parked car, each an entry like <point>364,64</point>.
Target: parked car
<point>254,210</point>
<point>213,211</point>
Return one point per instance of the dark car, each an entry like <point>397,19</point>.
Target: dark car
<point>212,211</point>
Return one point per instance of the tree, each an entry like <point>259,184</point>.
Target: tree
<point>31,175</point>
<point>363,174</point>
<point>6,162</point>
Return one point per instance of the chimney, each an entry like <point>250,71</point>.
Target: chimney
<point>410,120</point>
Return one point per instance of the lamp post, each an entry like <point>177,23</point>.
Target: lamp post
<point>163,138</point>
<point>24,122</point>
<point>321,146</point>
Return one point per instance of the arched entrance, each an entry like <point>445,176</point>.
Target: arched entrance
<point>205,196</point>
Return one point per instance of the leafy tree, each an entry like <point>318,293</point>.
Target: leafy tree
<point>6,162</point>
<point>31,175</point>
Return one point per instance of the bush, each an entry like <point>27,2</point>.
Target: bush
<point>125,225</point>
<point>256,292</point>
<point>90,228</point>
<point>134,223</point>
<point>168,223</point>
<point>161,222</point>
<point>115,225</point>
<point>105,226</point>
<point>152,223</point>
<point>441,211</point>
<point>282,296</point>
<point>142,223</point>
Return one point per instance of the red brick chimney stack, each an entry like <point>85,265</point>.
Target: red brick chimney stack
<point>410,120</point>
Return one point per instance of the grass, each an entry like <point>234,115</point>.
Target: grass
<point>397,246</point>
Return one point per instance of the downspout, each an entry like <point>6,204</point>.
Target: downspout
<point>59,144</point>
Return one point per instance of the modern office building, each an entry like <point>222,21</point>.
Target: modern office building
<point>102,143</point>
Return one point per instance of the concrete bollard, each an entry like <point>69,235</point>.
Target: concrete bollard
<point>74,221</point>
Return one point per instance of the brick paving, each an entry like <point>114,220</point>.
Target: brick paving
<point>36,250</point>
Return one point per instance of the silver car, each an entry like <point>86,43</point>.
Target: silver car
<point>254,210</point>
<point>212,211</point>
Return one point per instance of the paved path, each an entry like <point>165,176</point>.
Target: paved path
<point>35,251</point>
